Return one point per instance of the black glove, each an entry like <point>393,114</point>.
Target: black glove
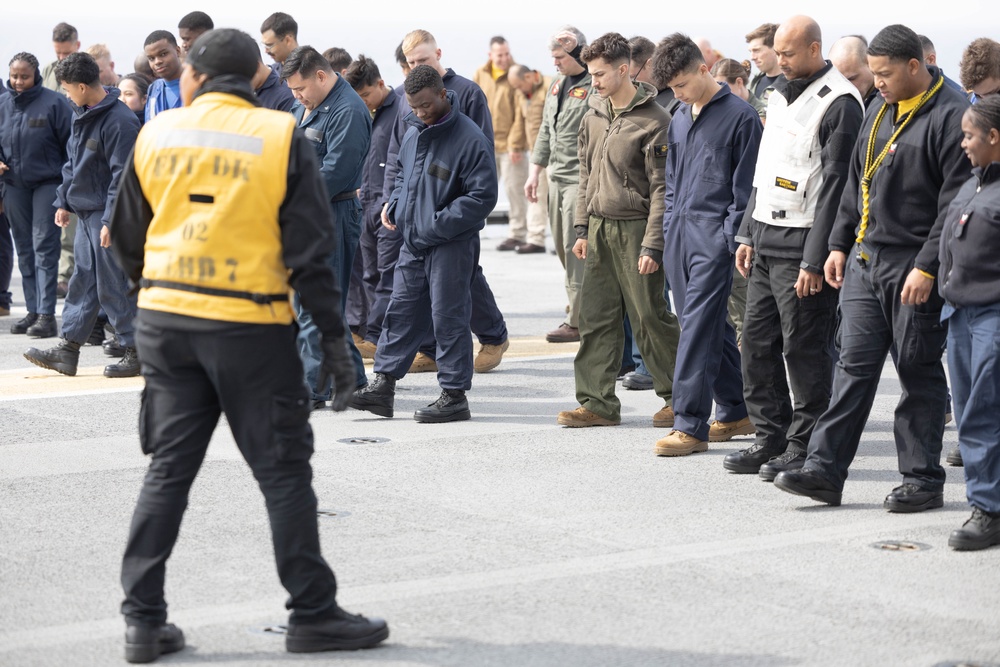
<point>337,364</point>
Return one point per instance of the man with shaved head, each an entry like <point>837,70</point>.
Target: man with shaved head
<point>801,170</point>
<point>850,56</point>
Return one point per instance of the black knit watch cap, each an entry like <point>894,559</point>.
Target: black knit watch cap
<point>225,51</point>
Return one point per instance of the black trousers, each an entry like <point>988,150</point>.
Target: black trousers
<point>873,320</point>
<point>252,373</point>
<point>780,330</point>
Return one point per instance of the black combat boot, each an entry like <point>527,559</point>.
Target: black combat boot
<point>113,348</point>
<point>146,643</point>
<point>127,366</point>
<point>21,326</point>
<point>377,396</point>
<point>451,406</point>
<point>44,327</point>
<point>63,358</point>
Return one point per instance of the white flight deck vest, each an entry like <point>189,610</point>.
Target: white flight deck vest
<point>789,172</point>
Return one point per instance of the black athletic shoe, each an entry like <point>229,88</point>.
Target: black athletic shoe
<point>451,406</point>
<point>377,397</point>
<point>342,632</point>
<point>146,643</point>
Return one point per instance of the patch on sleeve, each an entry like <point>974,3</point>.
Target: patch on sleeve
<point>579,93</point>
<point>660,150</point>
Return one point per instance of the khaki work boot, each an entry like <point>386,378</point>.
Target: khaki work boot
<point>583,417</point>
<point>423,364</point>
<point>367,349</point>
<point>664,418</point>
<point>723,431</point>
<point>679,443</point>
<point>489,357</point>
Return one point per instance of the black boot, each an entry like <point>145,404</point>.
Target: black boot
<point>340,632</point>
<point>113,348</point>
<point>44,327</point>
<point>62,358</point>
<point>980,531</point>
<point>127,366</point>
<point>376,397</point>
<point>451,406</point>
<point>750,460</point>
<point>146,643</point>
<point>21,326</point>
<point>97,334</point>
<point>954,457</point>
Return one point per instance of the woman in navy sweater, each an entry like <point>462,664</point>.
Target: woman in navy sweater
<point>970,284</point>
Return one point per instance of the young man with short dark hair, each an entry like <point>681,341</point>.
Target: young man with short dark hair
<point>446,185</point>
<point>279,34</point>
<point>760,43</point>
<point>65,40</point>
<point>709,174</point>
<point>191,26</point>
<point>379,246</point>
<point>104,132</point>
<point>164,58</point>
<point>338,123</point>
<point>619,229</point>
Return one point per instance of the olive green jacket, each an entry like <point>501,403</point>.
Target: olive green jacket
<point>622,164</point>
<point>556,145</point>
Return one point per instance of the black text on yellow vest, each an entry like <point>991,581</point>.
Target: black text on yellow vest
<point>214,174</point>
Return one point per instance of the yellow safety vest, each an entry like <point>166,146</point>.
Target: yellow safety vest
<point>214,174</point>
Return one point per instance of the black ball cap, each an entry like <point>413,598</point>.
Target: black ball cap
<point>225,51</point>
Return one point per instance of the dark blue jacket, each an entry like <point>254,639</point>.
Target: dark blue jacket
<point>340,130</point>
<point>373,178</point>
<point>34,130</point>
<point>969,274</point>
<point>99,147</point>
<point>470,100</point>
<point>710,164</point>
<point>274,94</point>
<point>446,183</point>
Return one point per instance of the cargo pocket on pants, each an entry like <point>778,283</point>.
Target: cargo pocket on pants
<point>293,436</point>
<point>925,339</point>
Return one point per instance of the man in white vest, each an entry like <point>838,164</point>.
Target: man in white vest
<point>813,119</point>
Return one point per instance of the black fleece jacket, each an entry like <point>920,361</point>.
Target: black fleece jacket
<point>912,189</point>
